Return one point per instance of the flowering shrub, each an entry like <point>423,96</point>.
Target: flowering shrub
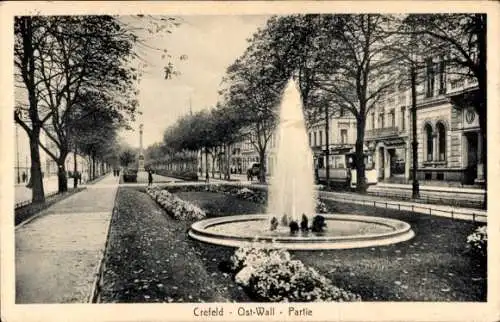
<point>292,281</point>
<point>254,256</point>
<point>175,206</point>
<point>271,275</point>
<point>255,194</point>
<point>478,241</point>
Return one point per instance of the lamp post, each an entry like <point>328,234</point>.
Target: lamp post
<point>415,184</point>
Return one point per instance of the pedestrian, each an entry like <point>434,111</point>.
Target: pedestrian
<point>79,174</point>
<point>24,177</point>
<point>150,177</point>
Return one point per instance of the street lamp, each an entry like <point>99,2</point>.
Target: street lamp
<point>415,184</point>
<point>413,81</point>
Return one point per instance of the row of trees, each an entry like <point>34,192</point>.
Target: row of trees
<point>76,82</point>
<point>349,62</point>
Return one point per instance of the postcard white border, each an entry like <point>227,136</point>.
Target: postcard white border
<point>366,311</point>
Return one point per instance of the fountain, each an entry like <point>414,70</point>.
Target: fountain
<point>291,203</point>
<point>291,190</point>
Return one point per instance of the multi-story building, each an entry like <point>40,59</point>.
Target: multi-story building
<point>448,134</point>
<point>341,137</point>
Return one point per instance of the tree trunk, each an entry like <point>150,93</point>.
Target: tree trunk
<point>214,156</point>
<point>93,167</point>
<point>75,171</point>
<point>228,165</point>
<point>360,158</point>
<point>207,177</point>
<point>262,171</point>
<point>38,193</point>
<point>62,179</point>
<point>89,168</point>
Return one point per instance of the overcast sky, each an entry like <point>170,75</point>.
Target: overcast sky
<point>211,44</point>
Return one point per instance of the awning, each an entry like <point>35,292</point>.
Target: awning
<point>393,141</point>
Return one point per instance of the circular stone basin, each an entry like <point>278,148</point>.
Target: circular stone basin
<point>342,232</point>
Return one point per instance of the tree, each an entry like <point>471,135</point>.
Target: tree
<point>57,58</point>
<point>93,129</point>
<point>127,157</point>
<point>357,70</point>
<point>28,33</point>
<point>253,88</point>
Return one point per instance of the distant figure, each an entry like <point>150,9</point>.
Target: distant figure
<point>294,227</point>
<point>207,177</point>
<point>304,224</point>
<point>79,174</point>
<point>274,223</point>
<point>150,177</point>
<point>24,177</point>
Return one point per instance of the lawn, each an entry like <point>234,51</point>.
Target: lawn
<point>150,258</point>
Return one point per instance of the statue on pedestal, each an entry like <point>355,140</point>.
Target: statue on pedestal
<point>140,160</point>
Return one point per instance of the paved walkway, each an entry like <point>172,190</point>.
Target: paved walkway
<point>58,253</point>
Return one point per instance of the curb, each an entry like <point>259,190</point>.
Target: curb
<point>94,295</point>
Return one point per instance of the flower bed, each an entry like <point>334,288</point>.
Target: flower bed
<point>271,275</point>
<point>478,241</point>
<point>173,205</point>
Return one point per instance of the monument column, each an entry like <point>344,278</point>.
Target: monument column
<point>141,151</point>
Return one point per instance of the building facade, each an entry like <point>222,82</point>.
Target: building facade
<point>448,133</point>
<point>22,166</point>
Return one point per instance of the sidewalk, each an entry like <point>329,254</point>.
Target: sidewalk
<point>58,253</point>
<point>463,213</point>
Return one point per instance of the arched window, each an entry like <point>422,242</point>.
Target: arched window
<point>441,132</point>
<point>429,142</point>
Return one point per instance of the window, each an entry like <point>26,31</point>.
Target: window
<point>392,118</point>
<point>310,138</point>
<point>403,118</point>
<point>341,113</point>
<point>429,141</point>
<point>315,142</point>
<point>429,78</point>
<point>441,132</point>
<point>320,138</point>
<point>442,75</point>
<point>373,120</point>
<point>381,120</point>
<point>343,136</point>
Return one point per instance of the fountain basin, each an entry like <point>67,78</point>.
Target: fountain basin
<point>342,232</point>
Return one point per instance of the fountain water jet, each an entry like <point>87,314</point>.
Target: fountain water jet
<point>292,192</point>
<point>294,162</point>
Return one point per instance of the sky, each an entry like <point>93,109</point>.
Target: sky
<point>211,44</point>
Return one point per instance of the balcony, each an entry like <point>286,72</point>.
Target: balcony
<point>382,132</point>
